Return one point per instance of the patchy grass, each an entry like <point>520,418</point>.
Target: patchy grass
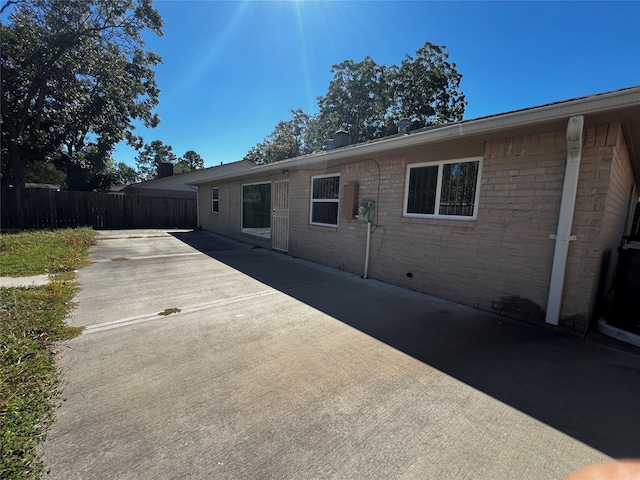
<point>44,251</point>
<point>169,311</point>
<point>32,320</point>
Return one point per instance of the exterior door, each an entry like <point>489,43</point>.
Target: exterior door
<point>280,216</point>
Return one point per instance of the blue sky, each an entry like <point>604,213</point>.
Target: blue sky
<point>233,69</point>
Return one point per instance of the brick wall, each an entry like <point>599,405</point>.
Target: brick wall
<point>602,204</point>
<point>519,207</point>
<point>341,247</point>
<point>618,208</point>
<point>502,261</point>
<point>226,221</point>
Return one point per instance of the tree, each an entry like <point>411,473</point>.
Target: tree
<point>90,171</point>
<point>112,173</point>
<point>289,139</point>
<point>124,174</point>
<point>368,100</point>
<point>357,100</point>
<point>189,162</point>
<point>45,172</point>
<point>151,156</point>
<point>425,88</point>
<point>74,78</point>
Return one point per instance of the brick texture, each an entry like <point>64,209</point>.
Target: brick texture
<point>602,210</point>
<point>502,261</point>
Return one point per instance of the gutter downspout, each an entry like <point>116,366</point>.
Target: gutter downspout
<point>565,219</point>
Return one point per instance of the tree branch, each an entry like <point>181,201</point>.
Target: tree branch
<point>7,5</point>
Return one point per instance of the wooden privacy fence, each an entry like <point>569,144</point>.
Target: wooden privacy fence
<point>40,208</point>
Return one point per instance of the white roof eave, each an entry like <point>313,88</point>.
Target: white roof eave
<point>594,104</point>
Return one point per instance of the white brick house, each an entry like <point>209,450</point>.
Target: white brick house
<point>480,212</point>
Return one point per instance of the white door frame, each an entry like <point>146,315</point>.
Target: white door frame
<point>280,215</point>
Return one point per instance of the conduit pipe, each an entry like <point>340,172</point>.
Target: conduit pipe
<point>565,220</point>
<point>366,252</point>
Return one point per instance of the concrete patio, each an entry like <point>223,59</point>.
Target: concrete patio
<point>279,368</point>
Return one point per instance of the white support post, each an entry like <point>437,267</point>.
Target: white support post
<point>565,220</point>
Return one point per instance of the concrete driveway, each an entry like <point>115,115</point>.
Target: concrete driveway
<point>277,368</point>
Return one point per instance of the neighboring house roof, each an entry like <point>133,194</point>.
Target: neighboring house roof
<point>46,186</point>
<point>117,188</point>
<point>620,105</point>
<point>180,182</point>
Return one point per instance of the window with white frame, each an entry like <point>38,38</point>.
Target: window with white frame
<point>215,200</point>
<point>256,209</point>
<point>325,200</point>
<point>445,189</point>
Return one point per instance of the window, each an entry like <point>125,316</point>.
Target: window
<point>446,189</point>
<point>256,209</point>
<point>325,193</point>
<point>215,200</point>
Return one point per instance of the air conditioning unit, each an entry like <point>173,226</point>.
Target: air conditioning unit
<point>365,210</point>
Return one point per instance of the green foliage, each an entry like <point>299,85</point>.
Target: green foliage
<point>91,172</point>
<point>31,321</point>
<point>189,162</point>
<point>368,100</point>
<point>425,88</point>
<point>124,174</point>
<point>151,156</point>
<point>358,100</point>
<point>44,172</point>
<point>25,413</point>
<point>289,139</point>
<point>156,152</point>
<point>74,78</point>
<point>43,251</point>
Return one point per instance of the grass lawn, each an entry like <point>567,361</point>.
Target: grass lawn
<point>44,251</point>
<point>32,320</point>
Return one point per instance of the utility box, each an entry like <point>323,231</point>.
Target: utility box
<point>350,201</point>
<point>365,210</point>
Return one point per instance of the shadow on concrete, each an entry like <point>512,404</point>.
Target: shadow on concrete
<point>587,388</point>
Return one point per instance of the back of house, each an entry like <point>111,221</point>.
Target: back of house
<point>520,213</point>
